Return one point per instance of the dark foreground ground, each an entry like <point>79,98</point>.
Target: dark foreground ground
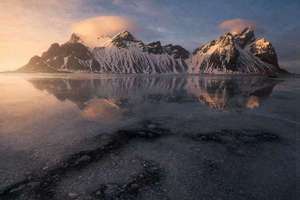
<point>163,147</point>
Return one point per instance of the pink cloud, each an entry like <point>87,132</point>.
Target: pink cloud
<point>92,28</point>
<point>237,25</point>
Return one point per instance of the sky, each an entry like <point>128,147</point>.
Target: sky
<point>28,27</point>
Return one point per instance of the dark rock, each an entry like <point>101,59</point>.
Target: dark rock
<point>74,38</point>
<point>240,136</point>
<point>238,53</point>
<point>237,141</point>
<point>83,159</point>
<point>245,37</point>
<point>67,57</point>
<point>43,184</point>
<point>121,39</point>
<point>265,51</point>
<point>75,56</point>
<point>154,47</point>
<point>149,176</point>
<point>37,64</point>
<point>177,51</point>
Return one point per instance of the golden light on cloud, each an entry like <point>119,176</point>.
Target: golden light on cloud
<point>28,27</point>
<point>236,25</point>
<point>91,29</point>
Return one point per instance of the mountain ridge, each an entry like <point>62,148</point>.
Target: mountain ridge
<point>239,53</point>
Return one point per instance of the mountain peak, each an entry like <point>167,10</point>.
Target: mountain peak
<point>236,53</point>
<point>247,30</point>
<point>74,38</point>
<point>125,35</point>
<point>245,37</point>
<point>121,40</point>
<point>264,50</point>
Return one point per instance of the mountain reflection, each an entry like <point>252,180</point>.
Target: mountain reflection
<point>232,93</point>
<point>102,110</point>
<point>109,98</point>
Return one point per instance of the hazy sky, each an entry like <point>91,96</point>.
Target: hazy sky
<point>28,27</point>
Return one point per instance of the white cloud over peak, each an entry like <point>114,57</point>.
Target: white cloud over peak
<point>92,28</point>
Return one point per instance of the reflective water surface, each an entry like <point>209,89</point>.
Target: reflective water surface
<point>190,137</point>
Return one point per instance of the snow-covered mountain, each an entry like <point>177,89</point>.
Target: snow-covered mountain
<point>122,53</point>
<point>232,53</point>
<point>125,54</point>
<point>240,53</point>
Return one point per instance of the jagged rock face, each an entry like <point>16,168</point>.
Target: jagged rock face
<point>177,51</point>
<point>122,53</point>
<point>123,39</point>
<point>223,54</point>
<point>264,50</point>
<point>245,37</point>
<point>125,54</point>
<point>37,64</point>
<point>134,60</point>
<point>71,56</point>
<point>75,38</point>
<point>238,53</point>
<point>68,49</point>
<point>154,48</point>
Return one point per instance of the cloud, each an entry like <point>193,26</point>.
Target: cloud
<point>29,27</point>
<point>237,25</point>
<point>145,7</point>
<point>92,28</point>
